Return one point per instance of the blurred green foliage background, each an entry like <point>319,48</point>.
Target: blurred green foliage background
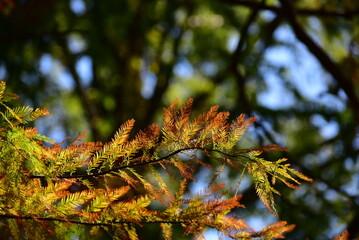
<point>294,64</point>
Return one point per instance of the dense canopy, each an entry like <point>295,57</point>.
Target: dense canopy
<point>292,64</point>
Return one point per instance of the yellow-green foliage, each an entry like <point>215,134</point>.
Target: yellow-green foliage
<point>51,190</point>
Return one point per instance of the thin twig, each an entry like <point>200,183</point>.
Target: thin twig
<point>152,161</point>
<point>111,223</point>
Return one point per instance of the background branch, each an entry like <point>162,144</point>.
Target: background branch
<point>305,12</point>
<point>327,63</point>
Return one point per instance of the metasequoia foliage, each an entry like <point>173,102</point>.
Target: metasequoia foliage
<point>47,190</point>
<point>343,236</point>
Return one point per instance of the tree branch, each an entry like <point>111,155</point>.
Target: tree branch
<point>152,161</point>
<point>306,12</point>
<point>51,219</point>
<point>241,80</point>
<point>327,63</point>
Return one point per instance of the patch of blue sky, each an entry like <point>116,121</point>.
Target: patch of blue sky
<point>276,96</point>
<point>56,72</point>
<point>268,15</point>
<point>46,63</point>
<point>285,34</point>
<point>203,178</point>
<point>84,70</point>
<point>352,187</point>
<point>309,78</point>
<point>327,129</point>
<point>3,72</point>
<point>306,73</point>
<point>63,78</point>
<point>209,68</point>
<point>78,7</point>
<point>76,43</point>
<point>51,126</point>
<point>57,133</point>
<point>232,41</point>
<point>213,234</point>
<point>205,175</point>
<point>149,81</point>
<point>184,69</point>
<point>336,226</point>
<point>259,223</point>
<point>315,27</point>
<point>279,56</point>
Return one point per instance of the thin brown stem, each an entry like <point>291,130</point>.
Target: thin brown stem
<point>154,161</point>
<point>111,223</point>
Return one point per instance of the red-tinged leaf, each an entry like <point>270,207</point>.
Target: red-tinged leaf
<point>343,236</point>
<point>276,230</point>
<point>240,125</point>
<point>273,147</point>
